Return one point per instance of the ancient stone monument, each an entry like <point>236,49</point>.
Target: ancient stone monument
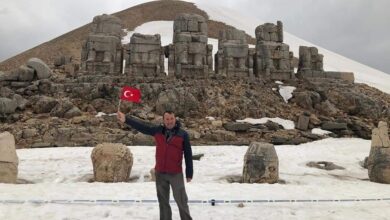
<point>379,159</point>
<point>145,56</point>
<point>310,62</point>
<point>273,58</point>
<point>261,164</point>
<point>234,58</point>
<point>311,65</point>
<point>8,159</point>
<point>111,162</point>
<point>189,55</point>
<point>102,52</point>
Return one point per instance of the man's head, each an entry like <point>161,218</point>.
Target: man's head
<point>169,119</point>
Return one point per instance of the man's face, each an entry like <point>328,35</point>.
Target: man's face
<point>169,120</point>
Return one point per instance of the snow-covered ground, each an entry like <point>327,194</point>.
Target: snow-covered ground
<point>61,174</point>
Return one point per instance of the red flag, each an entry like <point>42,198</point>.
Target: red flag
<point>131,94</point>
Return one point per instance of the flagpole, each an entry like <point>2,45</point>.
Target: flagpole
<point>119,104</point>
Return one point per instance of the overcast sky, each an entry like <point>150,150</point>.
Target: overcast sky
<point>357,29</point>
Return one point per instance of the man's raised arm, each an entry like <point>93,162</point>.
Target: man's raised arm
<point>137,124</point>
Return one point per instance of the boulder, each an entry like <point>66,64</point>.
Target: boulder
<point>356,103</point>
<point>261,164</point>
<point>178,100</point>
<point>44,104</point>
<point>24,73</point>
<point>29,133</point>
<point>326,108</point>
<point>8,76</point>
<point>6,92</point>
<point>378,162</point>
<point>272,126</point>
<point>143,140</point>
<point>61,108</point>
<point>73,112</point>
<point>65,109</point>
<point>333,126</point>
<point>111,162</point>
<point>103,105</point>
<point>42,70</point>
<point>3,76</point>
<point>8,158</point>
<point>193,134</point>
<point>8,106</point>
<point>237,126</point>
<point>306,99</point>
<point>20,101</point>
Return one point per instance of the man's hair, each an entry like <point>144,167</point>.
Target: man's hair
<point>169,112</point>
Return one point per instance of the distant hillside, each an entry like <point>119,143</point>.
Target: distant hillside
<point>70,43</point>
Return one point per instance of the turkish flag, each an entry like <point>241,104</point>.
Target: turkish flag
<point>131,94</point>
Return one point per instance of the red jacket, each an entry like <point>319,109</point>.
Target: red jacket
<point>169,152</point>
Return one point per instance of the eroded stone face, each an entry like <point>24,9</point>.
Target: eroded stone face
<point>379,159</point>
<point>102,51</point>
<point>111,162</point>
<point>261,164</point>
<point>8,159</point>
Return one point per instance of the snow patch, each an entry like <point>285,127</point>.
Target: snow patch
<point>100,114</point>
<point>319,131</point>
<point>286,92</point>
<point>287,124</point>
<point>210,118</point>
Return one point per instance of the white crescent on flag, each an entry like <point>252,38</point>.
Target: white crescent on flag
<point>127,95</point>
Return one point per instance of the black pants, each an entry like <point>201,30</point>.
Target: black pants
<point>176,181</point>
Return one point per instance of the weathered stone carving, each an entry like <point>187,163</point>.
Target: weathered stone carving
<point>102,51</point>
<point>379,159</point>
<point>189,55</point>
<point>261,164</point>
<point>146,56</point>
<point>234,58</point>
<point>111,162</point>
<point>8,159</point>
<point>273,58</point>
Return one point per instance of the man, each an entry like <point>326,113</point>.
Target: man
<point>171,142</point>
